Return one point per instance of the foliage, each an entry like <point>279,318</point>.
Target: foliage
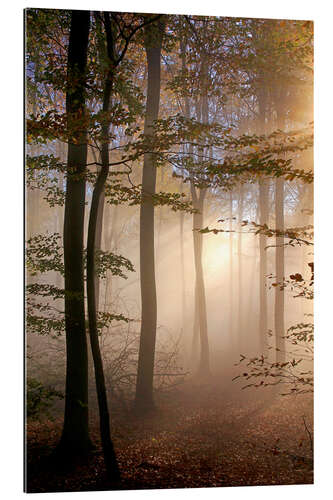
<point>296,379</point>
<point>296,235</point>
<point>39,399</point>
<point>42,173</point>
<point>105,319</point>
<point>116,192</point>
<point>296,373</point>
<point>43,254</point>
<point>108,261</point>
<point>41,324</point>
<point>247,156</point>
<point>296,282</point>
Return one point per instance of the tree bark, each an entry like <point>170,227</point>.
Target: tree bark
<point>200,294</point>
<point>200,311</point>
<point>182,271</point>
<point>75,435</point>
<point>279,254</point>
<point>240,270</point>
<point>144,383</point>
<point>111,243</point>
<point>231,277</point>
<point>263,219</point>
<point>99,232</point>
<point>95,212</point>
<point>279,270</point>
<point>196,327</point>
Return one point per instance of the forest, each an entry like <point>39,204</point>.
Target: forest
<point>169,267</point>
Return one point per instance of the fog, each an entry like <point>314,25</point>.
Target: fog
<point>230,333</point>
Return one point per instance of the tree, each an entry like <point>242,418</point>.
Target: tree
<point>113,61</point>
<point>144,384</point>
<point>198,193</point>
<point>200,324</point>
<point>75,435</point>
<point>263,219</point>
<point>95,211</point>
<point>240,332</point>
<point>231,277</point>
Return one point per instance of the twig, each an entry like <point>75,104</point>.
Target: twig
<point>309,434</point>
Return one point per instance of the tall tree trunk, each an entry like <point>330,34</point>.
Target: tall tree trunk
<point>110,238</point>
<point>95,212</point>
<point>159,231</point>
<point>198,203</point>
<point>196,326</point>
<point>200,294</point>
<point>75,435</point>
<point>182,270</point>
<point>240,270</point>
<point>279,255</point>
<point>231,277</point>
<point>98,243</point>
<point>279,270</point>
<point>263,219</point>
<point>99,230</point>
<point>144,383</point>
<point>251,313</point>
<point>33,197</point>
<point>196,316</point>
<point>59,216</point>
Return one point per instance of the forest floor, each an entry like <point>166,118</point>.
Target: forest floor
<point>199,436</point>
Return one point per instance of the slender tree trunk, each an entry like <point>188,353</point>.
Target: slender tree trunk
<point>200,294</point>
<point>108,450</point>
<point>240,270</point>
<point>196,316</point>
<point>263,219</point>
<point>108,240</point>
<point>144,383</point>
<point>99,230</point>
<point>198,202</point>
<point>182,269</point>
<point>95,213</point>
<point>114,233</point>
<point>33,195</point>
<point>200,329</point>
<point>158,242</point>
<point>251,296</point>
<point>75,435</point>
<point>159,231</point>
<point>231,277</point>
<point>59,216</point>
<point>279,263</point>
<point>98,242</point>
<point>279,256</point>
<point>196,328</point>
